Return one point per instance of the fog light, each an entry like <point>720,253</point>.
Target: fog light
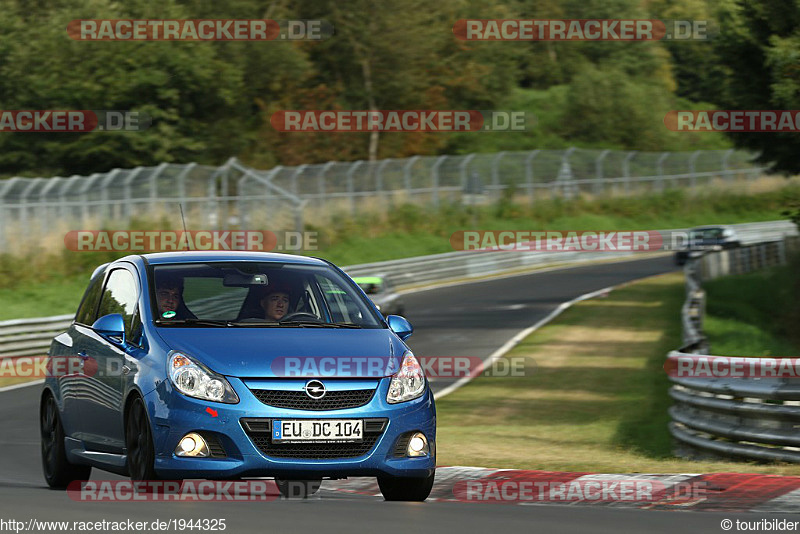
<point>192,445</point>
<point>188,444</point>
<point>418,445</point>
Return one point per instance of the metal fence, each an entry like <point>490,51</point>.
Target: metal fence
<point>234,196</point>
<point>732,417</point>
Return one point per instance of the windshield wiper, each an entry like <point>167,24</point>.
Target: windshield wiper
<point>195,322</point>
<point>321,325</point>
<point>255,323</point>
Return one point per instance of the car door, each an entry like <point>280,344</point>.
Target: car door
<point>102,405</point>
<point>73,386</point>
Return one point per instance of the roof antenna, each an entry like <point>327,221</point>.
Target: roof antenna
<point>180,205</point>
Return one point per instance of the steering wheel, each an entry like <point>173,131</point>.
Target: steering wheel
<point>303,315</point>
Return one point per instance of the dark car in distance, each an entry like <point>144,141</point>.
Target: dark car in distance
<point>707,238</point>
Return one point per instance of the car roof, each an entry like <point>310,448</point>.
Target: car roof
<point>194,256</point>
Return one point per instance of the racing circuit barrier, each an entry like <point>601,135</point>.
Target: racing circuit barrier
<point>25,337</point>
<point>233,196</point>
<point>30,337</point>
<point>411,272</point>
<point>742,417</point>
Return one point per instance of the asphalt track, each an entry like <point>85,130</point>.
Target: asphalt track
<point>465,320</point>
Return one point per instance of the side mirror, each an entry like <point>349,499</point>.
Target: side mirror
<point>400,326</point>
<point>111,325</point>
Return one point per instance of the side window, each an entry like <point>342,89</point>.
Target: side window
<point>341,305</point>
<point>120,296</point>
<point>88,306</point>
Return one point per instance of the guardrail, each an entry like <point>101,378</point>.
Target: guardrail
<point>26,337</point>
<point>30,337</point>
<point>465,264</point>
<point>732,417</point>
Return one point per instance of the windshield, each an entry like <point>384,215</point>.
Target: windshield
<point>256,294</point>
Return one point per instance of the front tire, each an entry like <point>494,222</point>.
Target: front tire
<point>139,442</point>
<point>406,488</point>
<point>58,472</point>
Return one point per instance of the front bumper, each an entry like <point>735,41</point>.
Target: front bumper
<point>173,415</point>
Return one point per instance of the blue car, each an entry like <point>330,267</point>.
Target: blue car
<point>236,365</point>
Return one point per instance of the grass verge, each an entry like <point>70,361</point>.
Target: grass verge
<point>754,314</point>
<point>593,398</point>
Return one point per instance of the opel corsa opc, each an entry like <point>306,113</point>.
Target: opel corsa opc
<point>229,365</point>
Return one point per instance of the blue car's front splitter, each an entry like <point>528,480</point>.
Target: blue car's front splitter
<point>242,444</point>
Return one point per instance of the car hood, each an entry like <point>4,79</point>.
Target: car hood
<point>260,352</point>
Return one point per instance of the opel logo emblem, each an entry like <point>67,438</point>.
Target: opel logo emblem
<point>315,389</point>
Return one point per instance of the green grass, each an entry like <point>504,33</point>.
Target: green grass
<point>57,297</point>
<point>754,314</point>
<point>593,398</point>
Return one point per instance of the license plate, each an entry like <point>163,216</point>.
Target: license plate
<point>317,430</point>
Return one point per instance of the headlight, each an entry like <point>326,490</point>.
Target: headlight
<point>408,383</point>
<point>195,380</point>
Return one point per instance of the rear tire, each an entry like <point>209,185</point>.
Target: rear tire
<point>406,488</point>
<point>298,489</point>
<point>58,472</point>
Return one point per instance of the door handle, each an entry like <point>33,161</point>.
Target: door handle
<point>82,355</point>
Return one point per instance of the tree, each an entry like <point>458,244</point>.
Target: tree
<point>759,45</point>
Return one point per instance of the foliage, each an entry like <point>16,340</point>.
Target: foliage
<point>213,100</point>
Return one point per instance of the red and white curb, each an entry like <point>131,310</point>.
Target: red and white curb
<point>718,492</point>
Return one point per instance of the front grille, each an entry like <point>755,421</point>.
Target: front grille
<point>299,400</point>
<point>259,431</point>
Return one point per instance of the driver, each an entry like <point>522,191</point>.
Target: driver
<point>276,302</point>
<point>169,297</point>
